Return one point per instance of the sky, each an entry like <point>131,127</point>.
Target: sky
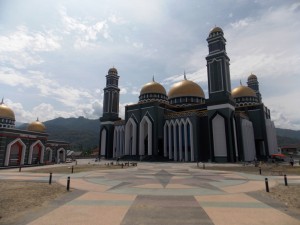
<point>55,54</point>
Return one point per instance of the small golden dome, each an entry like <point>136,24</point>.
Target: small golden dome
<point>216,29</point>
<point>186,88</point>
<point>36,126</point>
<point>243,91</point>
<point>252,77</point>
<point>6,112</point>
<point>113,70</point>
<point>153,87</point>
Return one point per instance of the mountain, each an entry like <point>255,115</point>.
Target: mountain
<point>83,134</point>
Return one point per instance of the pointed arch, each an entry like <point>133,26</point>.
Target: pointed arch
<point>40,153</point>
<point>49,153</point>
<point>219,136</point>
<point>8,150</point>
<point>58,158</point>
<point>191,139</point>
<point>145,130</point>
<point>130,137</point>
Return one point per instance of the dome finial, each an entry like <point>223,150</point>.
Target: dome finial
<point>153,79</point>
<point>184,75</point>
<point>37,119</point>
<point>241,83</point>
<point>2,101</point>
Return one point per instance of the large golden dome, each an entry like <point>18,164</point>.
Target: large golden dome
<point>36,126</point>
<point>243,91</point>
<point>154,88</point>
<point>6,112</point>
<point>186,88</point>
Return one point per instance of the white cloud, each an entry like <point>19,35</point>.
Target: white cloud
<point>86,34</point>
<point>20,48</point>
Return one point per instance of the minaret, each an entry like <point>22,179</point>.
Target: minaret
<point>220,105</point>
<point>110,113</point>
<point>254,84</point>
<point>219,84</point>
<point>111,96</point>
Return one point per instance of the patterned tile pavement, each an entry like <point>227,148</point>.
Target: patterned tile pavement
<point>156,193</point>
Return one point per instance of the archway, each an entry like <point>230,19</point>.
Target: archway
<point>36,153</point>
<point>61,155</point>
<point>145,136</point>
<point>48,154</point>
<point>130,137</point>
<point>15,153</point>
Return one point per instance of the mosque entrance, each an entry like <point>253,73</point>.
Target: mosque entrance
<point>146,144</point>
<point>15,154</point>
<point>36,154</point>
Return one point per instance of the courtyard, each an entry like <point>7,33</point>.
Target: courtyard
<point>155,193</point>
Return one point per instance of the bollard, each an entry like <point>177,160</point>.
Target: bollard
<point>76,162</point>
<point>267,185</point>
<point>68,184</point>
<point>198,164</point>
<point>20,168</point>
<point>285,180</point>
<point>203,166</point>
<point>122,165</point>
<point>50,178</point>
<point>72,169</point>
<point>260,170</point>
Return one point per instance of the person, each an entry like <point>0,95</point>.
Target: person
<point>292,161</point>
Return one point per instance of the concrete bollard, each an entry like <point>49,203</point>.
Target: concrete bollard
<point>204,166</point>
<point>50,178</point>
<point>72,169</point>
<point>267,185</point>
<point>285,180</point>
<point>68,184</point>
<point>260,170</point>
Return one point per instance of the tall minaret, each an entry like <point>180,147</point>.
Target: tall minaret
<point>219,84</point>
<point>220,105</point>
<point>254,84</point>
<point>110,113</point>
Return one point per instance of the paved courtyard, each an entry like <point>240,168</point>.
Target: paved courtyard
<point>161,194</point>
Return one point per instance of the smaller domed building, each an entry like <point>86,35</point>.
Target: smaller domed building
<point>228,125</point>
<point>27,147</point>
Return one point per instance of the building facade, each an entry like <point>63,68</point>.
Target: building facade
<point>184,125</point>
<point>27,147</point>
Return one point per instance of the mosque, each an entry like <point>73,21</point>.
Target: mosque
<point>27,147</point>
<point>184,125</point>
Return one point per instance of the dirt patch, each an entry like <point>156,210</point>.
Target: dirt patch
<point>76,168</point>
<point>19,197</point>
<point>287,195</point>
<point>266,169</point>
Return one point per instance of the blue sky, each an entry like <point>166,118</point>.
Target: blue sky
<point>54,55</point>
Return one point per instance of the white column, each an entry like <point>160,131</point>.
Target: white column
<point>186,143</point>
<point>175,141</point>
<point>170,141</point>
<point>165,140</point>
<point>180,142</point>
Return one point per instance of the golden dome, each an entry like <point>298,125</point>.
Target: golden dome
<point>153,87</point>
<point>112,70</point>
<point>252,76</point>
<point>186,88</point>
<point>6,112</point>
<point>216,29</point>
<point>243,91</point>
<point>36,126</point>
